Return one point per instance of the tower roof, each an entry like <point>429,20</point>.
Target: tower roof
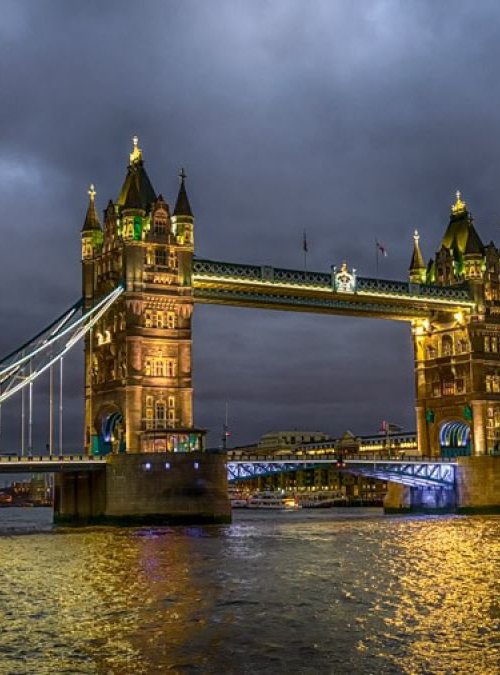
<point>92,221</point>
<point>182,205</point>
<point>460,230</point>
<point>417,260</point>
<point>137,191</point>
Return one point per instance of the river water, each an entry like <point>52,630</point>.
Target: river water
<point>305,592</point>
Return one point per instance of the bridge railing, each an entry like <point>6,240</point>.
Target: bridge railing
<point>303,457</point>
<point>278,276</point>
<point>33,459</point>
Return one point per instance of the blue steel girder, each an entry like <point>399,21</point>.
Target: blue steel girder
<point>438,475</point>
<point>416,474</point>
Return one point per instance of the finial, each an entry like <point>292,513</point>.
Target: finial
<point>416,236</point>
<point>182,175</point>
<point>459,205</point>
<point>136,154</point>
<point>92,192</point>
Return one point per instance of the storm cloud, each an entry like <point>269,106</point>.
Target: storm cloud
<point>355,121</point>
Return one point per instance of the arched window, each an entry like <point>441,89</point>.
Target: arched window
<point>171,368</point>
<point>448,385</point>
<point>446,345</point>
<point>160,413</point>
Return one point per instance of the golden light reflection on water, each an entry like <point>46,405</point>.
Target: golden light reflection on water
<point>268,594</point>
<point>98,601</point>
<point>446,610</point>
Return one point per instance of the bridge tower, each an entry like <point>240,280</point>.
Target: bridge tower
<point>457,361</point>
<point>138,390</point>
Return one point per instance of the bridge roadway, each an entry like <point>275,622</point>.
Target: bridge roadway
<point>50,463</point>
<point>417,471</point>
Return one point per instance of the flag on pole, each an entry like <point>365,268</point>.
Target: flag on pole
<point>304,244</point>
<point>381,249</point>
<point>390,428</point>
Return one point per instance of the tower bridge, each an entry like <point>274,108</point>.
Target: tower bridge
<point>141,282</point>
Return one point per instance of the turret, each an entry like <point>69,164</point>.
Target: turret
<point>417,268</point>
<point>462,251</point>
<point>136,197</point>
<point>182,218</point>
<point>91,230</point>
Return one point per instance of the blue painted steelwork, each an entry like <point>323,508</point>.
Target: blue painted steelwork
<point>417,472</point>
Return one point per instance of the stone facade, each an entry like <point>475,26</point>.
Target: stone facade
<point>138,363</point>
<point>457,358</point>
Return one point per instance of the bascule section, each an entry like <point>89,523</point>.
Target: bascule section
<point>457,357</point>
<point>138,389</point>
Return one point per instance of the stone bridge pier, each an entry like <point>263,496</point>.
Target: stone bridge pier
<point>476,491</point>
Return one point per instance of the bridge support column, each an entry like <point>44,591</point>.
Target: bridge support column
<point>79,495</point>
<point>478,485</point>
<point>422,432</point>
<point>146,488</point>
<point>479,427</point>
<point>406,499</point>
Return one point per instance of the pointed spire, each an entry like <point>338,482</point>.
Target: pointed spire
<point>136,154</point>
<point>417,264</point>
<point>459,206</point>
<point>182,205</point>
<point>137,191</point>
<point>91,219</point>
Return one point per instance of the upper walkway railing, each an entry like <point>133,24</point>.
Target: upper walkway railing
<point>275,276</point>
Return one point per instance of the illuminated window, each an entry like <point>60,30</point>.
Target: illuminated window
<point>147,367</point>
<point>460,385</point>
<point>172,260</point>
<point>171,416</point>
<point>160,257</point>
<point>160,226</point>
<point>487,345</point>
<point>494,344</point>
<point>489,383</point>
<point>448,387</point>
<point>436,389</point>
<point>171,401</point>
<point>171,368</point>
<point>148,321</point>
<point>159,367</point>
<point>149,401</point>
<point>171,319</point>
<point>160,414</point>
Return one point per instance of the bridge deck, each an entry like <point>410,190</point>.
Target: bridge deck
<point>50,464</point>
<point>295,290</point>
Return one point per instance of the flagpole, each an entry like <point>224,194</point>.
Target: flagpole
<point>304,247</point>
<point>376,258</point>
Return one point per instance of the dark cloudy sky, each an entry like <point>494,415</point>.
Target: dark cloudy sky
<point>355,120</point>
